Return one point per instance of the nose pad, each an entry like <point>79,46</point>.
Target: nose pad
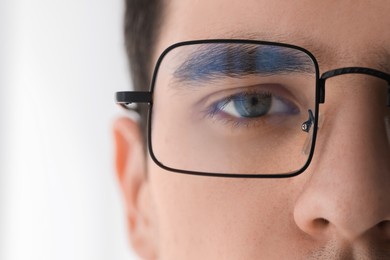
<point>307,127</point>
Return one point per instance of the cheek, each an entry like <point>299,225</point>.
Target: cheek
<point>205,216</point>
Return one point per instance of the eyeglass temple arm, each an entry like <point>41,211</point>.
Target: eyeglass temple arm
<point>124,98</point>
<point>353,70</point>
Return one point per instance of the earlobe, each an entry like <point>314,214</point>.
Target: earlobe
<point>131,173</point>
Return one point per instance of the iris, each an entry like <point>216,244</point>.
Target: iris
<point>252,105</point>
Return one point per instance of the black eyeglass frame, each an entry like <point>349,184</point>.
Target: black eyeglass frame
<point>124,98</point>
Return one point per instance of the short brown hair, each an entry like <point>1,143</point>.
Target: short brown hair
<point>142,20</point>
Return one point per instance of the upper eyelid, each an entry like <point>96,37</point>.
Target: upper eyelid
<point>273,89</point>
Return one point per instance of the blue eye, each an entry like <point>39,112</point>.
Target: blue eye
<point>252,105</point>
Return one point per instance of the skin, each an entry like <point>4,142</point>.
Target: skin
<point>339,208</point>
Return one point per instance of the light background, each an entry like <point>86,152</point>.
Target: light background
<point>60,64</point>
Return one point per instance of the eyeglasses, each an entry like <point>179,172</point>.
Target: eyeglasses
<point>236,108</point>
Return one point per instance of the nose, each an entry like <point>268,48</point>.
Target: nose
<point>347,194</point>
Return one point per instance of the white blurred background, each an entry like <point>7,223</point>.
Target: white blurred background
<point>60,64</point>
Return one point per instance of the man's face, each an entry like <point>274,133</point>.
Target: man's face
<point>339,208</point>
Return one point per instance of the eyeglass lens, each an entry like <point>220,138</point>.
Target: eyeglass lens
<point>234,108</point>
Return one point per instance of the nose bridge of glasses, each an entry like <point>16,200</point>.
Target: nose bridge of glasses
<point>352,70</point>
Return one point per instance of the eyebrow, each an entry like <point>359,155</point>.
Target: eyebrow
<point>216,60</point>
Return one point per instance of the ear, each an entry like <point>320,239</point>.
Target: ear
<point>131,173</point>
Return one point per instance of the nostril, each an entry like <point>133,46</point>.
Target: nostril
<point>317,228</point>
<point>320,223</point>
<point>384,228</point>
<point>384,224</point>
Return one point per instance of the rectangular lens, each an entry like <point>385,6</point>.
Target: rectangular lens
<point>233,108</point>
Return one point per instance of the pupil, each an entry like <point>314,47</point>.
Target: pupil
<point>254,101</point>
<point>253,105</point>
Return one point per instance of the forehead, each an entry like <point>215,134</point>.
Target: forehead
<point>340,32</point>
